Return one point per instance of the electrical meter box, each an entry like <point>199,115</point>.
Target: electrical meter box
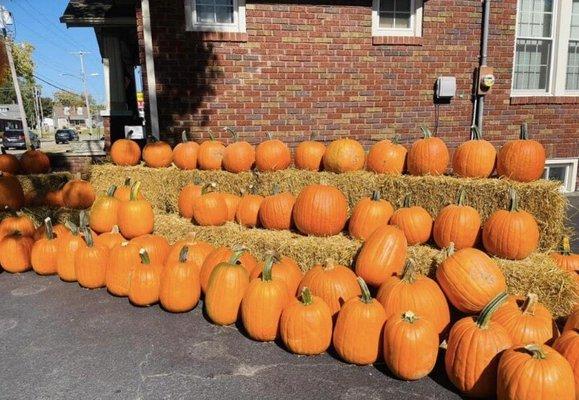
<point>445,87</point>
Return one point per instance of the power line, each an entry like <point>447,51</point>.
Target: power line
<point>56,86</point>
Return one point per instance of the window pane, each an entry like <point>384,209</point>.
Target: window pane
<point>224,14</point>
<point>395,14</point>
<point>403,6</point>
<point>535,18</point>
<point>575,20</point>
<point>214,11</point>
<point>387,5</point>
<point>402,20</point>
<point>557,173</point>
<point>573,66</point>
<point>386,20</point>
<point>532,64</point>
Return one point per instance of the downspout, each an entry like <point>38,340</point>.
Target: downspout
<point>480,102</point>
<point>150,67</point>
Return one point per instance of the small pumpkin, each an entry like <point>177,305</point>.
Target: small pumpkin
<point>512,234</point>
<point>78,194</point>
<point>458,224</point>
<point>333,283</point>
<point>263,303</point>
<point>357,334</point>
<point>9,163</point>
<point>19,222</point>
<point>412,291</point>
<point>34,162</point>
<point>185,154</point>
<point>344,155</point>
<point>283,269</point>
<point>210,154</point>
<point>109,239</point>
<point>157,154</point>
<point>475,158</point>
<point>568,346</point>
<point>15,251</point>
<point>382,255</point>
<point>58,230</point>
<point>145,281</point>
<point>104,212</point>
<point>186,197</point>
<point>66,253</point>
<point>11,193</point>
<point>276,210</point>
<point>221,255</point>
<point>428,156</point>
<point>232,202</point>
<point>90,263</point>
<point>565,259</point>
<point>474,347</point>
<point>272,155</point>
<point>320,210</point>
<point>198,250</point>
<point>239,156</point>
<point>410,346</point>
<point>157,247</point>
<point>414,221</point>
<point>369,214</point>
<point>124,259</point>
<point>125,152</point>
<point>247,213</point>
<point>135,217</point>
<point>534,371</point>
<point>55,198</point>
<point>521,160</point>
<point>306,325</point>
<point>387,157</point>
<point>44,252</point>
<point>210,209</point>
<point>308,155</point>
<point>469,278</point>
<point>180,288</point>
<point>227,286</point>
<point>572,321</point>
<point>123,193</point>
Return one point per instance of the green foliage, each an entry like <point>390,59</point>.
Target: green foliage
<point>68,99</point>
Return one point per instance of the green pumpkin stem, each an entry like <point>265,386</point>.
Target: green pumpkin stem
<point>72,227</point>
<point>376,195</point>
<point>269,135</point>
<point>184,138</point>
<point>484,317</point>
<point>566,246</point>
<point>184,254</point>
<point>530,303</point>
<point>475,133</point>
<point>313,136</point>
<point>127,181</point>
<point>145,259</point>
<point>461,197</point>
<point>366,296</point>
<point>87,236</point>
<point>524,135</point>
<point>211,135</point>
<point>49,231</point>
<point>276,188</point>
<point>514,200</point>
<point>409,273</point>
<point>267,268</point>
<point>407,201</point>
<point>426,132</point>
<point>233,133</point>
<point>135,191</point>
<point>396,139</point>
<point>82,219</point>
<point>306,297</point>
<point>208,187</point>
<point>536,351</point>
<point>111,191</point>
<point>237,253</point>
<point>409,317</point>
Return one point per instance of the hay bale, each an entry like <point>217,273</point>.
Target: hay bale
<point>45,182</point>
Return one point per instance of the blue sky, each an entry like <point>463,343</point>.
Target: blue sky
<point>37,22</point>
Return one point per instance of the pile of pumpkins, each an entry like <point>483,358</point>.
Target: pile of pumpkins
<point>521,160</point>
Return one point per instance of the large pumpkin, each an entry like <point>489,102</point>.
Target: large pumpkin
<point>386,157</point>
<point>308,155</point>
<point>187,196</point>
<point>247,213</point>
<point>283,269</point>
<point>221,255</point>
<point>458,224</point>
<point>239,156</point>
<point>231,202</point>
<point>78,194</point>
<point>90,263</point>
<point>20,223</point>
<point>109,239</point>
<point>198,250</point>
<point>185,154</point>
<point>344,155</point>
<point>272,155</point>
<point>157,247</point>
<point>44,252</point>
<point>565,259</point>
<point>157,154</point>
<point>474,347</point>
<point>512,234</point>
<point>66,253</point>
<point>11,193</point>
<point>475,158</point>
<point>368,215</point>
<point>469,279</point>
<point>15,252</point>
<point>568,346</point>
<point>428,156</point>
<point>414,221</point>
<point>521,160</point>
<point>210,154</point>
<point>210,208</point>
<point>180,288</point>
<point>275,211</point>
<point>145,281</point>
<point>104,212</point>
<point>382,255</point>
<point>9,163</point>
<point>125,152</point>
<point>135,217</point>
<point>123,260</point>
<point>320,210</point>
<point>34,162</point>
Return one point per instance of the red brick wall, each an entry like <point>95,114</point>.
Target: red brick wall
<point>74,163</point>
<point>313,68</point>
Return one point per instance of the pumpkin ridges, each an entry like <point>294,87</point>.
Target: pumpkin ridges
<point>272,155</point>
<point>238,156</point>
<point>221,255</point>
<point>145,281</point>
<point>475,158</point>
<point>414,221</point>
<point>34,162</point>
<point>11,192</point>
<point>247,213</point>
<point>104,212</point>
<point>124,258</point>
<point>368,215</point>
<point>457,223</point>
<point>428,156</point>
<point>387,157</point>
<point>308,155</point>
<point>125,152</point>
<point>185,154</point>
<point>320,210</point>
<point>521,160</point>
<point>344,155</point>
<point>284,269</point>
<point>276,210</point>
<point>180,289</point>
<point>157,154</point>
<point>15,252</point>
<point>43,254</point>
<point>135,217</point>
<point>66,253</point>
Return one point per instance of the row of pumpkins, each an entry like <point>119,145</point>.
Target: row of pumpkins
<point>521,160</point>
<point>501,345</point>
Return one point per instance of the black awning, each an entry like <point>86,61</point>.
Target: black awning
<point>99,13</point>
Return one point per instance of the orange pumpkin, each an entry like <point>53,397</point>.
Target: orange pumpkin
<point>368,215</point>
<point>458,224</point>
<point>382,255</point>
<point>125,152</point>
<point>54,198</point>
<point>186,197</point>
<point>34,162</point>
<point>521,160</point>
<point>272,155</point>
<point>210,209</point>
<point>124,259</point>
<point>157,247</point>
<point>78,194</point>
<point>410,346</point>
<point>572,321</point>
<point>284,269</point>
<point>568,346</point>
<point>428,156</point>
<point>512,234</point>
<point>20,223</point>
<point>306,325</point>
<point>198,250</point>
<point>210,154</point>
<point>386,157</point>
<point>239,156</point>
<point>221,255</point>
<point>231,201</point>
<point>66,253</point>
<point>123,193</point>
<point>135,217</point>
<point>58,230</point>
<point>566,260</point>
<point>308,155</point>
<point>276,210</point>
<point>247,213</point>
<point>263,303</point>
<point>419,293</point>
<point>180,288</point>
<point>414,221</point>
<point>11,193</point>
<point>104,212</point>
<point>90,263</point>
<point>344,155</point>
<point>475,158</point>
<point>320,210</point>
<point>15,250</point>
<point>473,351</point>
<point>534,372</point>
<point>44,251</point>
<point>469,279</point>
<point>9,163</point>
<point>109,239</point>
<point>357,334</point>
<point>185,154</point>
<point>157,154</point>
<point>145,281</point>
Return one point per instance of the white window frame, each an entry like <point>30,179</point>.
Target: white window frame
<point>561,30</point>
<point>237,26</point>
<point>415,29</point>
<point>570,184</point>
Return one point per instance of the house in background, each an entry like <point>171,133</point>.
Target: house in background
<point>9,117</point>
<point>365,69</point>
<point>70,117</point>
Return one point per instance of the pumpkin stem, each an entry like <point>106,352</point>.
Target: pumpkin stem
<point>49,232</point>
<point>475,133</point>
<point>461,197</point>
<point>530,304</point>
<point>111,191</point>
<point>306,297</point>
<point>514,200</point>
<point>269,135</point>
<point>115,229</point>
<point>135,191</point>
<point>87,236</point>
<point>72,227</point>
<point>449,251</point>
<point>145,259</point>
<point>536,351</point>
<point>208,187</point>
<point>232,132</point>
<point>184,254</point>
<point>211,135</point>
<point>426,132</point>
<point>566,246</point>
<point>484,318</point>
<point>313,136</point>
<point>276,188</point>
<point>524,131</point>
<point>329,264</point>
<point>266,274</point>
<point>237,253</point>
<point>127,181</point>
<point>407,201</point>
<point>376,195</point>
<point>366,296</point>
<point>409,272</point>
<point>184,138</point>
<point>409,317</point>
<point>82,219</point>
<point>396,139</point>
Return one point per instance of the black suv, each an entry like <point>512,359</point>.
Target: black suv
<point>14,138</point>
<point>65,136</point>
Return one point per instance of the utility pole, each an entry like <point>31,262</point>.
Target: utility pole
<point>6,20</point>
<point>81,55</point>
<point>41,112</point>
<point>37,108</point>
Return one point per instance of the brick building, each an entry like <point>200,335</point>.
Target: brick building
<point>359,68</point>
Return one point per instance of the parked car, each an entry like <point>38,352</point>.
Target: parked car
<point>65,136</point>
<point>14,138</point>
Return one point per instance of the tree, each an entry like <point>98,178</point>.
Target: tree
<point>47,106</point>
<point>68,99</point>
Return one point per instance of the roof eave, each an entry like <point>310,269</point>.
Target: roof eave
<point>88,22</point>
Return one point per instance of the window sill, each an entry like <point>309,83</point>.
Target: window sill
<point>544,100</point>
<point>397,40</point>
<point>219,36</point>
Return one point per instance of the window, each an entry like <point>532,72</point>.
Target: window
<point>563,170</point>
<point>397,18</point>
<point>547,48</point>
<point>215,15</point>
